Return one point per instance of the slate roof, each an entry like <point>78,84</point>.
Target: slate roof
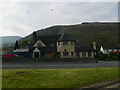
<point>48,40</point>
<point>21,50</point>
<point>66,37</point>
<point>112,47</point>
<point>46,49</point>
<point>77,49</point>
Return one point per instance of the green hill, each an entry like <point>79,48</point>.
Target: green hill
<point>86,33</point>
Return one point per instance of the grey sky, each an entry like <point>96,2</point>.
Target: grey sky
<point>22,18</point>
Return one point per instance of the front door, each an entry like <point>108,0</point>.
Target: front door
<point>36,55</point>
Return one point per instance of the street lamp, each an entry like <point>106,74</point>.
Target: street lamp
<point>29,46</point>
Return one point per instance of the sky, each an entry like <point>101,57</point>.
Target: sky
<point>22,18</point>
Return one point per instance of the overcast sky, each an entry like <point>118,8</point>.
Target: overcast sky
<point>22,18</point>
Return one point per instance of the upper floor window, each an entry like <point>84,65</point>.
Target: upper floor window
<point>39,44</point>
<point>65,49</point>
<point>65,43</point>
<point>58,43</point>
<point>71,43</point>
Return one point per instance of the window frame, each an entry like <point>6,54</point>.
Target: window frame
<point>72,54</point>
<point>58,43</point>
<point>65,53</point>
<point>78,54</point>
<point>39,44</point>
<point>72,43</point>
<point>65,43</point>
<point>83,54</point>
<point>89,54</point>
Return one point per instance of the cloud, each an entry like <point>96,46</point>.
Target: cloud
<point>59,1</point>
<point>24,17</point>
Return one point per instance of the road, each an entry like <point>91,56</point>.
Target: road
<point>57,65</point>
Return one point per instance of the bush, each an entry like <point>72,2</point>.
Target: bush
<point>56,55</point>
<point>109,56</point>
<point>102,57</point>
<point>113,56</point>
<point>118,55</point>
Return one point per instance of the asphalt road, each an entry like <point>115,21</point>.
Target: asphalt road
<point>57,65</point>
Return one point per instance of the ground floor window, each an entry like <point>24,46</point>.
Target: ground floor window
<point>83,54</point>
<point>72,53</point>
<point>65,53</point>
<point>77,54</point>
<point>89,54</point>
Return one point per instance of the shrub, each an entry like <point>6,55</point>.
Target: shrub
<point>102,57</point>
<point>113,56</point>
<point>118,55</point>
<point>56,55</point>
<point>109,56</point>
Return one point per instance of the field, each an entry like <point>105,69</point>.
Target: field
<point>0,78</point>
<point>56,78</point>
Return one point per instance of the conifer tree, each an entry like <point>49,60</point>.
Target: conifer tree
<point>16,45</point>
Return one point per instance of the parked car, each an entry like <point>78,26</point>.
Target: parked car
<point>9,55</point>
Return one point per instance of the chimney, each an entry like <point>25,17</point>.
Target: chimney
<point>29,46</point>
<point>34,36</point>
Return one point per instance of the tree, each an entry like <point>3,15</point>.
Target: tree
<point>24,43</point>
<point>16,45</point>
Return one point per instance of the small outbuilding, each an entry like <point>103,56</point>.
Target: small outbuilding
<point>22,52</point>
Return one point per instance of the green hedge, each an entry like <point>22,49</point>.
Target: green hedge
<point>109,56</point>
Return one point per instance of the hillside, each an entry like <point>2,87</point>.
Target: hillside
<point>8,40</point>
<point>86,33</point>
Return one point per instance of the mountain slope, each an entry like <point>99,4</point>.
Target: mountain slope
<point>86,33</point>
<point>9,40</point>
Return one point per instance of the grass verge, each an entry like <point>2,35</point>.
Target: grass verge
<point>56,78</point>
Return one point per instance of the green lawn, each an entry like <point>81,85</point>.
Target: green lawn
<point>56,78</point>
<point>0,79</point>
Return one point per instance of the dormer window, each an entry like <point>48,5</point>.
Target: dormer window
<point>39,45</point>
<point>65,43</point>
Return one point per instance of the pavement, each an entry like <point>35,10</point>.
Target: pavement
<point>57,65</point>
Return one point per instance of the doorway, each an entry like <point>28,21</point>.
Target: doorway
<point>36,55</point>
